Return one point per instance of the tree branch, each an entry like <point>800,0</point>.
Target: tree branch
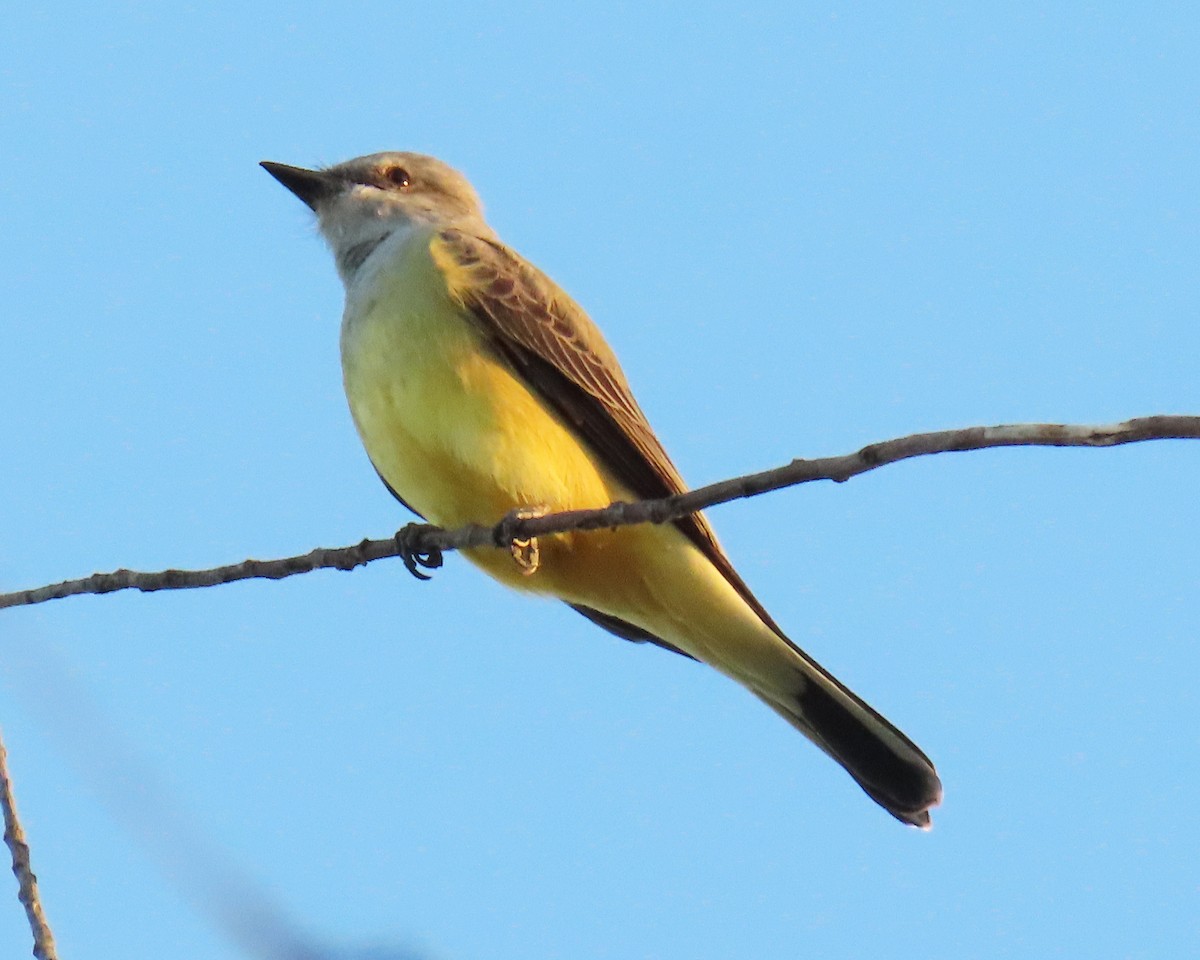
<point>424,545</point>
<point>14,836</point>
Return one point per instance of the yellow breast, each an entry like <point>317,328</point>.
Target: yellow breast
<point>446,421</point>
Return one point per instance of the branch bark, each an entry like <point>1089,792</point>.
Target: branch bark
<point>18,846</point>
<point>427,543</point>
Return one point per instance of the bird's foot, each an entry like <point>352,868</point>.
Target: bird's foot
<point>414,552</point>
<point>526,553</point>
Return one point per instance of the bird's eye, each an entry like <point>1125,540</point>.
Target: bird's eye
<point>398,177</point>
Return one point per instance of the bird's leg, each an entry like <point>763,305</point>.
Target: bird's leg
<point>413,551</point>
<point>524,550</point>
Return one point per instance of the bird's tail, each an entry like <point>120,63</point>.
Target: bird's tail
<point>886,764</point>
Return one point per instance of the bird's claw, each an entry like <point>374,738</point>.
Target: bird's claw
<point>526,553</point>
<point>416,554</point>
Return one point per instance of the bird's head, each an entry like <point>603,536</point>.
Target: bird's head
<point>362,201</point>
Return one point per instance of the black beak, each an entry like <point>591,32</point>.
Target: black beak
<point>311,186</point>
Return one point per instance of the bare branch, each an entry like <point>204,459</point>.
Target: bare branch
<point>27,892</point>
<point>424,545</point>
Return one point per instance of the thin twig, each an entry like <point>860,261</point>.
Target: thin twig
<point>433,541</point>
<point>14,836</point>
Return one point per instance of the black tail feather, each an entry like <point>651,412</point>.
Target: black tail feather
<point>889,767</point>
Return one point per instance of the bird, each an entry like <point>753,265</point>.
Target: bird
<point>481,390</point>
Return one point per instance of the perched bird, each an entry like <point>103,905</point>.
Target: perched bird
<point>479,387</point>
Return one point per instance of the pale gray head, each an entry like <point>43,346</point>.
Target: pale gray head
<point>361,202</point>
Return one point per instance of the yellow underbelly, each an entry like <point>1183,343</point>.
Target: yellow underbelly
<point>460,437</point>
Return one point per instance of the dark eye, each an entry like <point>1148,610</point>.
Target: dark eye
<point>398,177</point>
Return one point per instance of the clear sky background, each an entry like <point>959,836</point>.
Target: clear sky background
<point>802,230</point>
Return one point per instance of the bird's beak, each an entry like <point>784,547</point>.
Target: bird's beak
<point>311,186</point>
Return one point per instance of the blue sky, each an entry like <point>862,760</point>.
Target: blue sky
<point>802,230</point>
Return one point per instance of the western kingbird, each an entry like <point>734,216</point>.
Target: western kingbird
<point>479,387</point>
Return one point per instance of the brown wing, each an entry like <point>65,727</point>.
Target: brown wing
<point>561,354</point>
